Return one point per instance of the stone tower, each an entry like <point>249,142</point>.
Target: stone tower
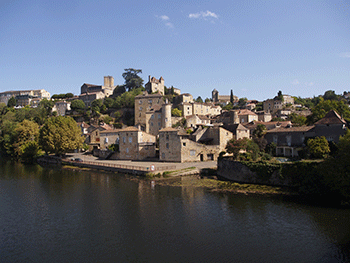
<point>166,118</point>
<point>215,95</point>
<point>108,81</point>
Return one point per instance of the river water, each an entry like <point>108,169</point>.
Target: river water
<point>51,215</point>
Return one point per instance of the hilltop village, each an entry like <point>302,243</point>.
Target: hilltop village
<point>159,123</point>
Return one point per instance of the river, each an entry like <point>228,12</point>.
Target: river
<point>49,215</point>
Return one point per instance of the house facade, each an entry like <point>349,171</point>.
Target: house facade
<point>155,85</point>
<point>135,144</point>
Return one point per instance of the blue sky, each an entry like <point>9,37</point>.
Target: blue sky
<point>255,48</point>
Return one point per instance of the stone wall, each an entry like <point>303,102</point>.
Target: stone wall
<point>238,172</point>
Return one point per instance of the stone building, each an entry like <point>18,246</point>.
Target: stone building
<point>273,105</point>
<point>135,144</point>
<point>25,97</point>
<point>61,107</point>
<point>91,92</point>
<point>222,99</point>
<point>155,85</point>
<point>291,139</point>
<point>205,144</point>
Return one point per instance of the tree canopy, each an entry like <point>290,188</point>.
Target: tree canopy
<point>60,135</point>
<point>132,79</point>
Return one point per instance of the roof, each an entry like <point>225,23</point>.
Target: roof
<point>291,129</point>
<point>169,129</point>
<point>331,117</point>
<point>129,128</point>
<point>154,95</point>
<point>246,112</point>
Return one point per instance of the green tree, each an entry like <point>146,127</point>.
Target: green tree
<point>25,131</point>
<point>242,102</point>
<point>11,102</point>
<point>297,119</point>
<point>46,106</point>
<point>60,135</point>
<point>132,79</point>
<point>176,112</point>
<point>258,136</point>
<point>119,90</point>
<point>279,96</point>
<point>235,146</point>
<point>318,147</point>
<point>231,97</point>
<point>77,105</point>
<point>336,170</point>
<point>199,99</point>
<point>330,95</point>
<point>324,106</point>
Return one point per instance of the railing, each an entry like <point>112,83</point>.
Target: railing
<point>123,166</point>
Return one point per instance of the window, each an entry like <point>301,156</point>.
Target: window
<point>140,101</point>
<point>106,140</point>
<point>167,137</point>
<point>163,155</point>
<point>130,139</point>
<point>150,101</point>
<point>127,150</point>
<point>183,144</point>
<point>152,124</point>
<point>123,139</point>
<point>159,116</point>
<point>152,116</point>
<point>192,152</point>
<point>140,108</point>
<point>167,145</point>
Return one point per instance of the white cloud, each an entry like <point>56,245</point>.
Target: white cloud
<point>345,55</point>
<point>204,15</point>
<point>164,17</point>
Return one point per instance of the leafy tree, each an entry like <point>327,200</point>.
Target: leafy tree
<point>235,146</point>
<point>228,106</point>
<point>242,102</point>
<point>176,112</point>
<point>336,170</point>
<point>258,136</point>
<point>318,147</point>
<point>324,106</point>
<point>127,99</point>
<point>7,132</point>
<point>132,80</point>
<point>77,105</point>
<point>330,95</point>
<point>279,96</point>
<point>11,102</point>
<point>297,119</point>
<point>3,106</point>
<point>199,99</point>
<point>46,106</point>
<point>207,100</point>
<point>119,90</point>
<point>25,131</point>
<point>96,105</point>
<point>60,135</point>
<point>29,151</point>
<point>108,102</point>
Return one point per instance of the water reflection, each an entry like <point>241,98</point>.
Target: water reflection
<point>88,216</point>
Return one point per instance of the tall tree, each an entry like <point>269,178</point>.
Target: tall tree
<point>231,97</point>
<point>132,79</point>
<point>11,102</point>
<point>60,135</point>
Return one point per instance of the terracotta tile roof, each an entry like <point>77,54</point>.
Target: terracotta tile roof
<point>331,117</point>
